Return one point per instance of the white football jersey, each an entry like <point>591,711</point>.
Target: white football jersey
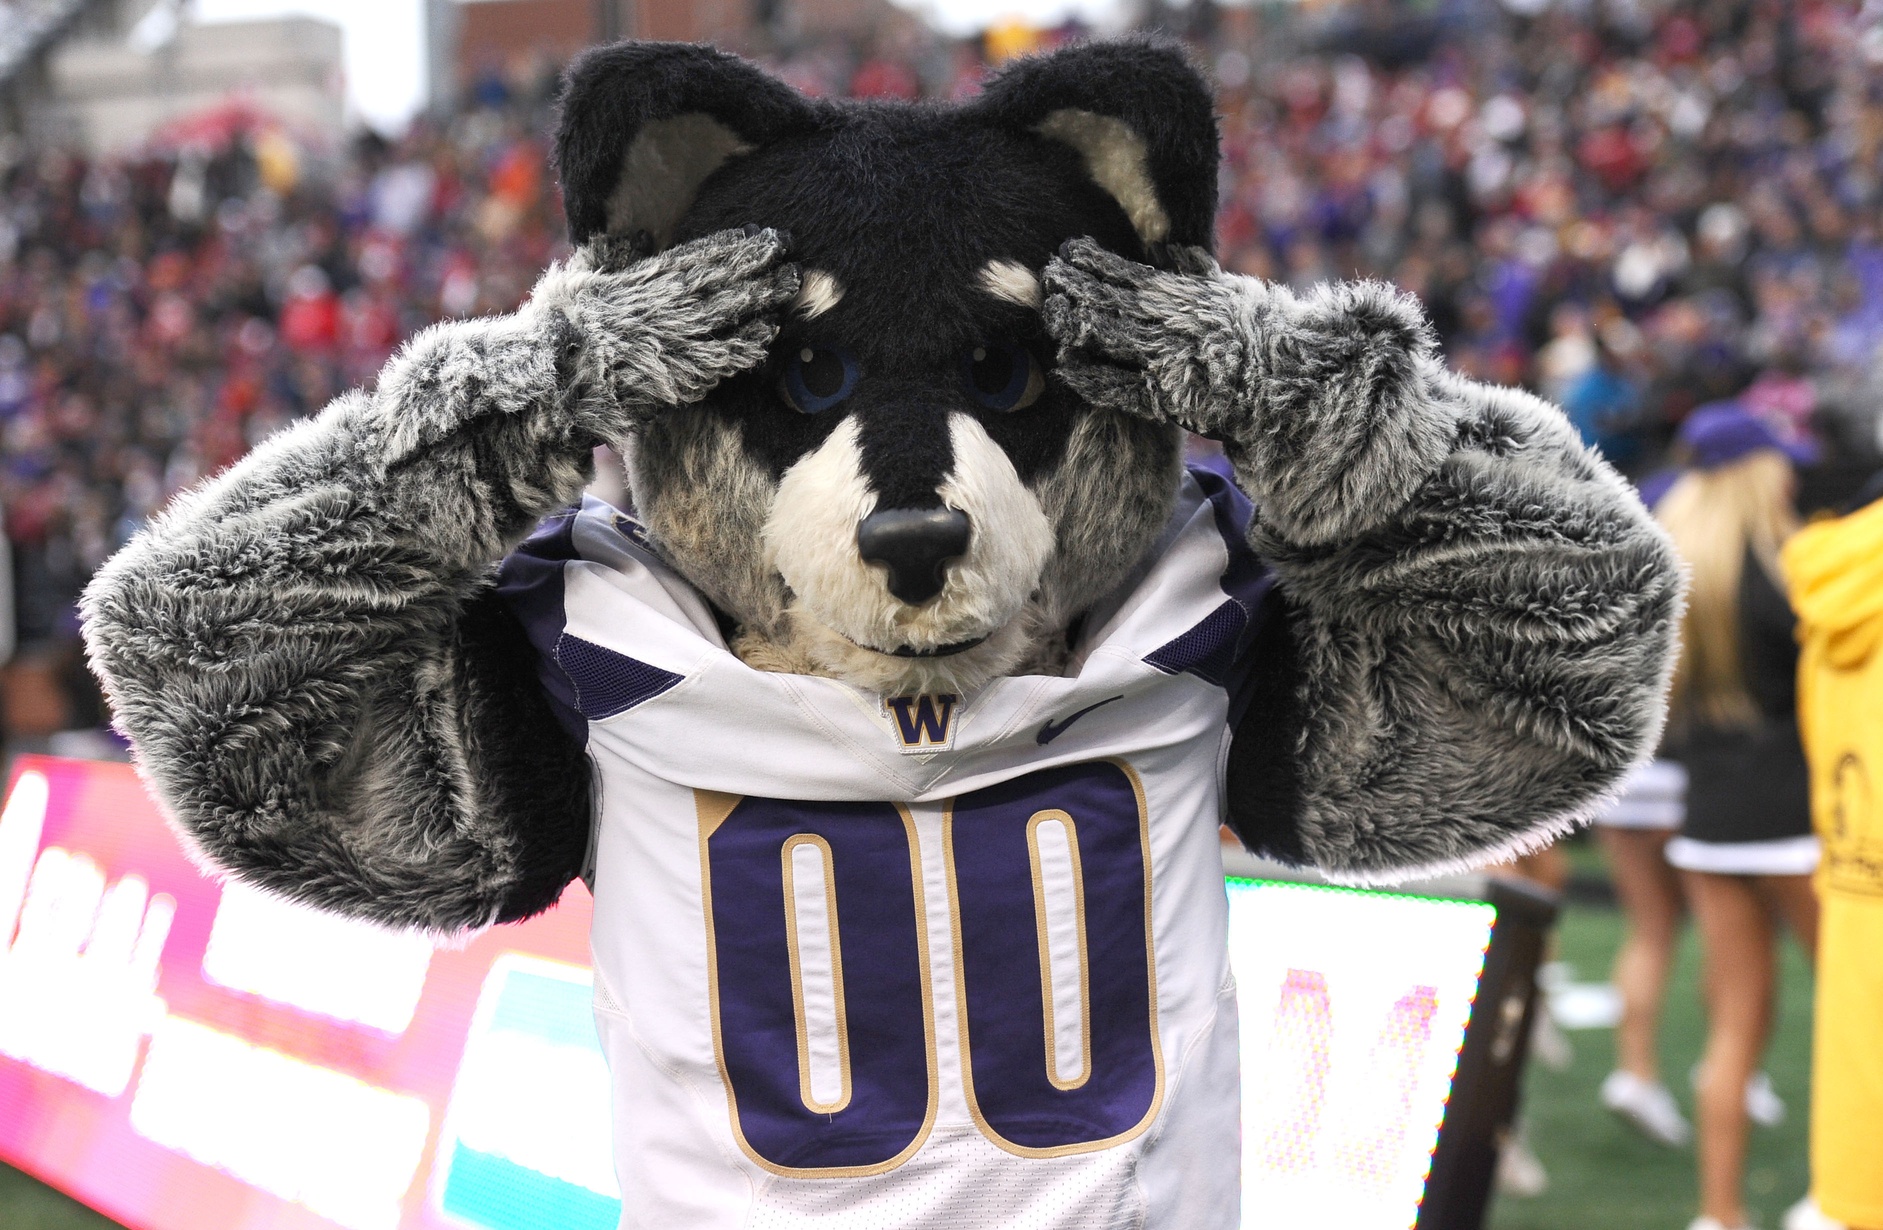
<point>931,961</point>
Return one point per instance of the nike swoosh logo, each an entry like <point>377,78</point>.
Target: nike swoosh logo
<point>1052,730</point>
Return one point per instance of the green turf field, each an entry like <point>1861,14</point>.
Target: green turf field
<point>1602,1176</point>
<point>29,1205</point>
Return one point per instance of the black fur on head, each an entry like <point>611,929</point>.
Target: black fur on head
<point>1147,89</point>
<point>630,94</point>
<point>921,231</point>
<point>643,124</point>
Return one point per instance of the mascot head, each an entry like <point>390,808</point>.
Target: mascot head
<point>904,497</point>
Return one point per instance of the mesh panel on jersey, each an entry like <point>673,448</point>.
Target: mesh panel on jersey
<point>1207,650</point>
<point>606,682</point>
<point>960,1180</point>
<point>604,1000</point>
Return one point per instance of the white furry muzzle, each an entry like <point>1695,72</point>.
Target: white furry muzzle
<point>843,618</point>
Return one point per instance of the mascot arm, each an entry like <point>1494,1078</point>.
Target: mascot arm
<point>1475,617</point>
<point>307,652</point>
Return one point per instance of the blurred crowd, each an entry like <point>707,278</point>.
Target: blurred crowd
<point>159,315</point>
<point>1633,208</point>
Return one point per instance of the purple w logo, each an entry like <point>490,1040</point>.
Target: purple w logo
<point>923,721</point>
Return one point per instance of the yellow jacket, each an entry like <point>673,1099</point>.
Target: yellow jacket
<point>1835,570</point>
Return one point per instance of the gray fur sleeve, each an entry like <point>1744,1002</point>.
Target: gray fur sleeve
<point>1478,616</point>
<point>305,651</point>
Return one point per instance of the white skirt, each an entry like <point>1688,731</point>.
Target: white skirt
<point>1787,856</point>
<point>1653,796</point>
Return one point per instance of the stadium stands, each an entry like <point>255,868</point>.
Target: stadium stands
<point>1632,211</point>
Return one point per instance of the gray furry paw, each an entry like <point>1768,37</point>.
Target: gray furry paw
<point>1167,346</point>
<point>641,333</point>
<point>1333,405</point>
<point>613,253</point>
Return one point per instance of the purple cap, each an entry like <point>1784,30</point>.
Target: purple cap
<point>1721,432</point>
<point>1657,484</point>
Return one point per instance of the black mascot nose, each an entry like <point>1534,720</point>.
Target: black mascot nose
<point>914,544</point>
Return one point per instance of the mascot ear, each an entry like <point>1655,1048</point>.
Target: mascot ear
<point>643,124</point>
<point>1142,118</point>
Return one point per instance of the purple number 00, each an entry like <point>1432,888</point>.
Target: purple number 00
<point>1020,1095</point>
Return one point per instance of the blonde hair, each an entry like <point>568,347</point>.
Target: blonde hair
<point>1714,517</point>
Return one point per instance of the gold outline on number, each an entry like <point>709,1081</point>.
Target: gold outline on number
<point>1048,1015</point>
<point>797,974</point>
<point>1150,970</point>
<point>713,808</point>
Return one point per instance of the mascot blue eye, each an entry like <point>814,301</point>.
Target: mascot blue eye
<point>817,378</point>
<point>1002,376</point>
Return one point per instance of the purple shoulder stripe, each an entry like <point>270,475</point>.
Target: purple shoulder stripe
<point>1216,649</point>
<point>529,581</point>
<point>585,682</point>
